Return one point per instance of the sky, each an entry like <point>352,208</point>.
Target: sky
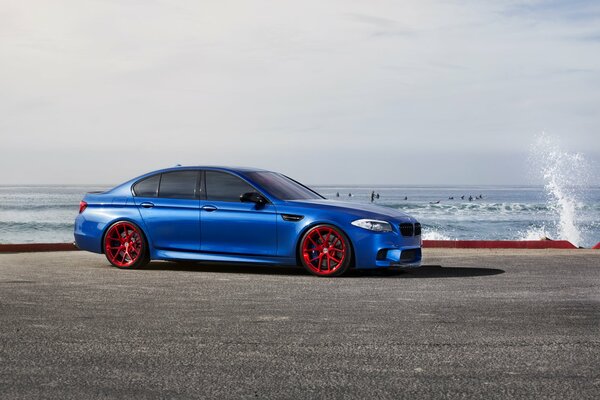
<point>336,91</point>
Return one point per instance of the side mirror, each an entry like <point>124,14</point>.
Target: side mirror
<point>253,197</point>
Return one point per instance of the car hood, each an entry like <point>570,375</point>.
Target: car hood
<point>358,209</point>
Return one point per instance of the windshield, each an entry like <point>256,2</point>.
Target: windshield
<point>283,187</point>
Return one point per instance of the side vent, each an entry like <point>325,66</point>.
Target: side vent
<point>381,254</point>
<point>292,217</point>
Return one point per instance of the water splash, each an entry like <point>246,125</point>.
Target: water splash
<point>535,233</point>
<point>432,234</point>
<point>564,175</point>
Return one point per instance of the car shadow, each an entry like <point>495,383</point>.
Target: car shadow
<point>429,271</point>
<point>425,271</point>
<point>241,268</point>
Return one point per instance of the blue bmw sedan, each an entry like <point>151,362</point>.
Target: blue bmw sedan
<point>241,215</point>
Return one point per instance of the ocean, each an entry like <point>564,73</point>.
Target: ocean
<point>36,214</point>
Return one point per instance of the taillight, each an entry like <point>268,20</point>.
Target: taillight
<point>82,206</point>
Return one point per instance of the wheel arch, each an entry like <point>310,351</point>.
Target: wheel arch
<point>125,219</point>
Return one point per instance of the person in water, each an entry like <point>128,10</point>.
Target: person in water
<point>372,196</point>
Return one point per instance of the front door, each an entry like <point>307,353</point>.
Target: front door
<point>229,226</point>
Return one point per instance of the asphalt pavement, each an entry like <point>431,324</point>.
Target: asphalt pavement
<point>468,324</point>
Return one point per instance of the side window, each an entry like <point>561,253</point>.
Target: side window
<point>221,186</point>
<point>178,185</point>
<point>147,187</point>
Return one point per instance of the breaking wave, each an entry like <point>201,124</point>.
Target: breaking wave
<point>565,176</point>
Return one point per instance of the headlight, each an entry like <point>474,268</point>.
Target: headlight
<point>373,225</point>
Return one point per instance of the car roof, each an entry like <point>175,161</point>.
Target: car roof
<point>126,186</point>
<point>209,167</point>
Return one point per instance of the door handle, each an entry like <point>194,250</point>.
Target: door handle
<point>147,204</point>
<point>209,208</point>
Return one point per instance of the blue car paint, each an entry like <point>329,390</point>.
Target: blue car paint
<point>182,232</point>
<point>182,229</point>
<point>239,228</point>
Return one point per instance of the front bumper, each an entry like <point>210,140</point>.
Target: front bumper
<point>386,249</point>
<point>406,257</point>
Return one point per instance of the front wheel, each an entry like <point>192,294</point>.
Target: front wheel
<point>325,251</point>
<point>125,246</point>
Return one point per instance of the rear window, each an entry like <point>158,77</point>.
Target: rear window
<point>147,187</point>
<point>178,185</point>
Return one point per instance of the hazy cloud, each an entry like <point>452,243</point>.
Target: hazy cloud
<point>337,91</point>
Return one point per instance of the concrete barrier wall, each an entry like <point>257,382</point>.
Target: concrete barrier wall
<point>499,244</point>
<point>36,247</point>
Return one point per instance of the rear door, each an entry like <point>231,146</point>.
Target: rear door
<point>229,226</point>
<point>170,207</point>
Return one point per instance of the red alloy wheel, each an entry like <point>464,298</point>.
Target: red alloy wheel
<point>124,245</point>
<point>325,251</point>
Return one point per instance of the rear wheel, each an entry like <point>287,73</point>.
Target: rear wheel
<point>125,246</point>
<point>325,251</point>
